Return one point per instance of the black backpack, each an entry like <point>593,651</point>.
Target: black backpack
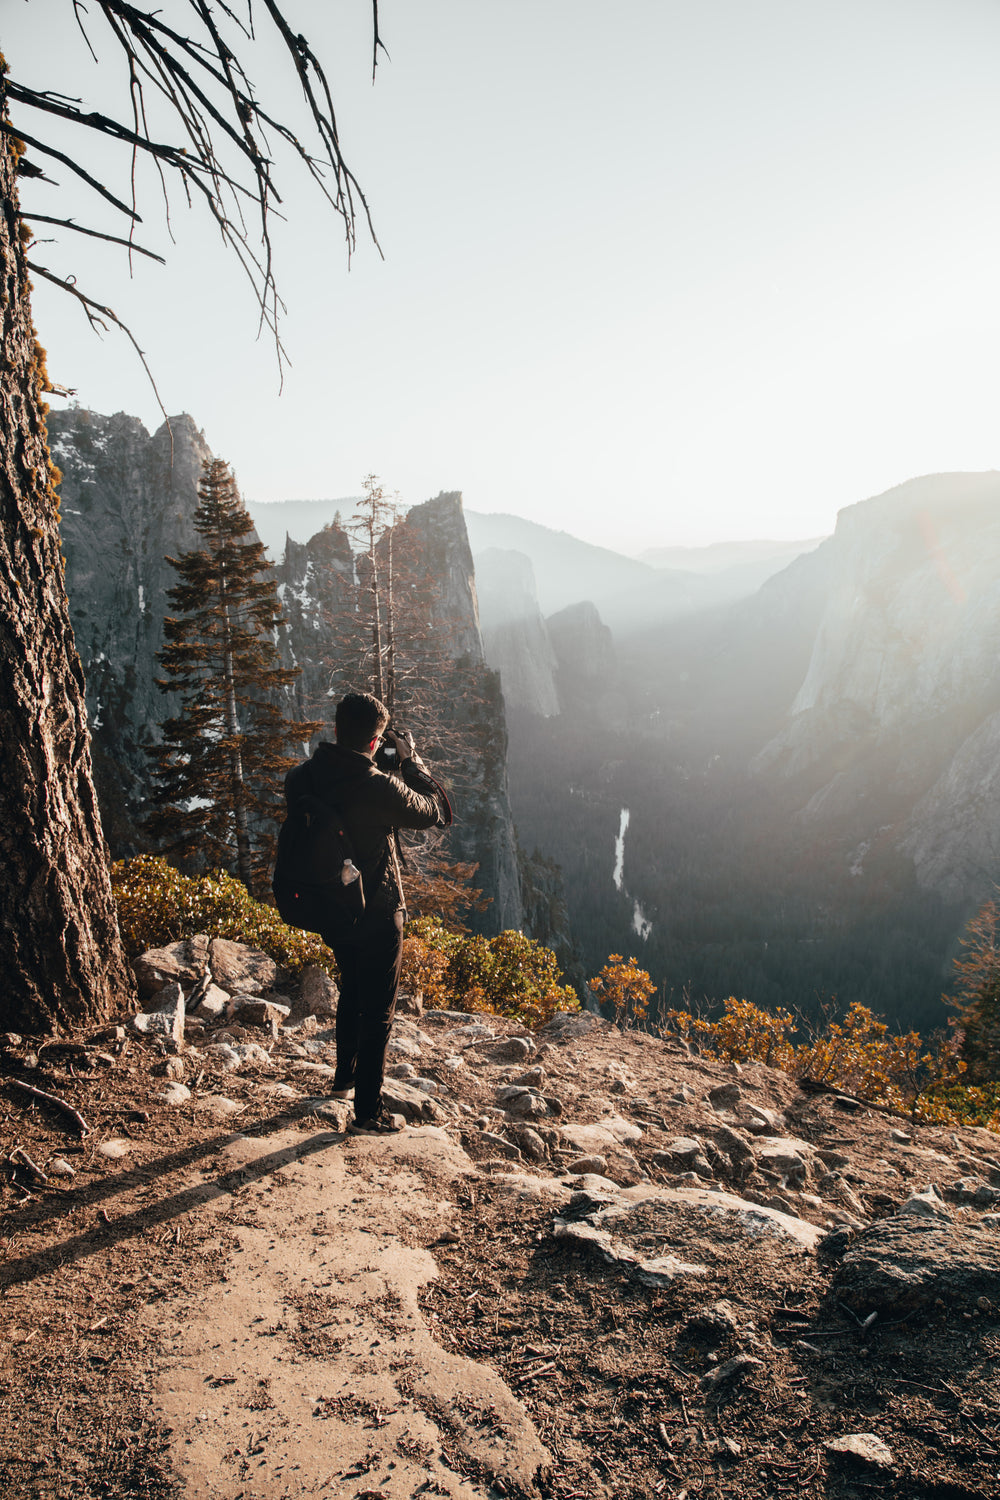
<point>316,884</point>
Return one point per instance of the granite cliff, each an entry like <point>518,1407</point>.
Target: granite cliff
<point>899,708</point>
<point>128,501</point>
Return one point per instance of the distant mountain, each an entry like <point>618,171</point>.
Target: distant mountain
<point>721,557</point>
<point>809,777</point>
<point>566,569</point>
<point>630,594</point>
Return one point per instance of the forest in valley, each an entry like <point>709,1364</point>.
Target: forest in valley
<point>741,899</point>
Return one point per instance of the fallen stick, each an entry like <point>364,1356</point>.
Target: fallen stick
<point>75,1116</point>
<point>19,1155</point>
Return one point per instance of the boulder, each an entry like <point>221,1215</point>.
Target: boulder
<point>318,994</point>
<point>510,1049</point>
<point>413,1104</point>
<point>183,961</point>
<point>725,1096</point>
<point>252,1011</point>
<point>213,1004</point>
<point>235,967</point>
<point>166,1016</point>
<point>910,1262</point>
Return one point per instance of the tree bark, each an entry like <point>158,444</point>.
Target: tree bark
<point>61,958</point>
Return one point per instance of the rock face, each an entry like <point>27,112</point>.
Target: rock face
<point>127,503</point>
<point>900,703</point>
<point>515,638</point>
<point>315,580</point>
<point>585,653</point>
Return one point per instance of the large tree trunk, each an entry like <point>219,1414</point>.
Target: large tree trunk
<point>61,959</point>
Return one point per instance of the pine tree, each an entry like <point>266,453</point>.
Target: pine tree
<point>220,766</point>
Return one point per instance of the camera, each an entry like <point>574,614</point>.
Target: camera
<point>386,758</point>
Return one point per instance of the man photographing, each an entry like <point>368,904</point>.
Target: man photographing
<point>369,953</point>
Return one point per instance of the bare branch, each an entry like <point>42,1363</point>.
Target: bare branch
<point>95,313</point>
<point>96,234</point>
<point>19,135</point>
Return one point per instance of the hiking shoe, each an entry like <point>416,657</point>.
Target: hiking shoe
<point>341,1090</point>
<point>381,1124</point>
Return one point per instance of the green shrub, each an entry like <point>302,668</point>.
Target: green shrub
<point>158,905</point>
<point>508,975</point>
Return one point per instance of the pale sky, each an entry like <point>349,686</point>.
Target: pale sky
<point>656,271</point>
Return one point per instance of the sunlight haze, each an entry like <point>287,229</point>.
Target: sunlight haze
<point>654,274</point>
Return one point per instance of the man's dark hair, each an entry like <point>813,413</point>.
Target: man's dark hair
<point>360,718</point>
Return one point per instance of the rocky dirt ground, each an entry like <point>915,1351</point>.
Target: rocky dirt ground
<point>592,1265</point>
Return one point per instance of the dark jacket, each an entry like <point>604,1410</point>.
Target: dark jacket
<point>372,804</point>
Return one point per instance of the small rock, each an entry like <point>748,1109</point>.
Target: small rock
<point>174,1094</point>
<point>213,1004</point>
<point>901,1136</point>
<point>166,1018</point>
<point>581,1164</point>
<point>527,1106</point>
<point>412,1103</point>
<point>834,1159</point>
<point>318,994</point>
<point>223,1055</point>
<point>106,1034</point>
<point>511,1049</point>
<point>757,1120</point>
<point>403,1046</point>
<point>11,1039</point>
<point>60,1167</point>
<point>784,1159</point>
<point>453,1063</point>
<point>171,1067</point>
<point>115,1148</point>
<point>219,1106</point>
<point>425,1085</point>
<point>402,1070</point>
<point>729,1371</point>
<point>683,1154</point>
<point>864,1446</point>
<point>532,1079</point>
<point>184,961</point>
<point>252,1011</point>
<point>253,1053</point>
<point>531,1143</point>
<point>926,1205</point>
<point>499,1144</point>
<point>725,1096</point>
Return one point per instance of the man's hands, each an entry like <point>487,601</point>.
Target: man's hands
<point>403,741</point>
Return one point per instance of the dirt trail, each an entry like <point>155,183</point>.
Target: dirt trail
<point>311,1369</point>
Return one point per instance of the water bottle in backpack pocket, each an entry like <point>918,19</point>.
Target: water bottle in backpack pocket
<point>317,886</point>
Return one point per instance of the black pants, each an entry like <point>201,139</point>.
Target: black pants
<point>369,963</point>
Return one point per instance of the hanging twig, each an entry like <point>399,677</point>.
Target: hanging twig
<point>75,1116</point>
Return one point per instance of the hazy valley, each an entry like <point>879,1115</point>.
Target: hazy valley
<point>769,772</point>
